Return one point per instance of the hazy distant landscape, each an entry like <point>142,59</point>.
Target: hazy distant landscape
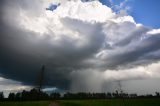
<point>36,97</point>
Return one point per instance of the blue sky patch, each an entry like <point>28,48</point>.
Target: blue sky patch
<point>52,7</point>
<point>143,11</point>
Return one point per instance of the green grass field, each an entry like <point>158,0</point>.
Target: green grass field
<point>115,102</point>
<point>112,102</point>
<point>38,103</point>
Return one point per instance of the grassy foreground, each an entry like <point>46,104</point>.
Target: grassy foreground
<point>37,103</point>
<point>112,102</point>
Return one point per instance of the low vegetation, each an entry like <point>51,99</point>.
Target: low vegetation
<point>31,103</point>
<point>111,102</point>
<point>37,94</point>
<point>106,102</point>
<point>36,97</point>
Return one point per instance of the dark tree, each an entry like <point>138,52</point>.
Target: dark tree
<point>108,95</point>
<point>1,96</point>
<point>55,95</point>
<point>18,96</point>
<point>157,94</point>
<point>11,96</point>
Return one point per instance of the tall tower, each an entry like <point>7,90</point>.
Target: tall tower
<point>41,78</point>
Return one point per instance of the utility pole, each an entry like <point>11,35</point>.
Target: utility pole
<point>41,78</point>
<point>40,82</point>
<point>121,92</point>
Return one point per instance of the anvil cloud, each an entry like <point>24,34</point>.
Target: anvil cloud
<point>78,42</point>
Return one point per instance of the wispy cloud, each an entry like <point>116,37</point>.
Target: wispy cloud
<point>122,7</point>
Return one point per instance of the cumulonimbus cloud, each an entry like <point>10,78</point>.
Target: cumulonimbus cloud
<point>70,40</point>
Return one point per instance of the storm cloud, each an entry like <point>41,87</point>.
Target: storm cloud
<point>78,43</point>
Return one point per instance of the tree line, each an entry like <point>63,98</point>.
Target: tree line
<point>35,94</point>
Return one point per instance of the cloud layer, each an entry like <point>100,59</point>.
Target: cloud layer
<point>79,42</point>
